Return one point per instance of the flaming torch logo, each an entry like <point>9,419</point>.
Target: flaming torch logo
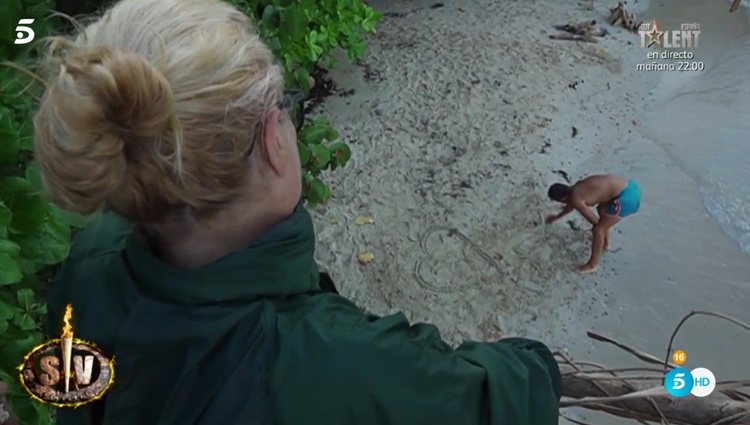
<point>82,362</point>
<point>66,344</point>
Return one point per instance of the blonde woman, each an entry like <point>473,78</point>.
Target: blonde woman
<point>171,118</point>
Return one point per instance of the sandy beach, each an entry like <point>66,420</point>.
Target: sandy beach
<point>459,117</point>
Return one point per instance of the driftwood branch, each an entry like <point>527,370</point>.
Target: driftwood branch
<point>618,16</point>
<point>638,393</point>
<point>701,313</point>
<point>648,358</point>
<point>735,5</point>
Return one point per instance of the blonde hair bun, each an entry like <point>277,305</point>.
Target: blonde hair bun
<point>151,109</point>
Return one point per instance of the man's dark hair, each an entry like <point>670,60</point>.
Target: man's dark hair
<point>558,191</point>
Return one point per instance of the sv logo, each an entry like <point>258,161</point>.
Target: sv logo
<point>24,34</point>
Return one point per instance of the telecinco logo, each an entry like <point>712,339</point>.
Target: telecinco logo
<point>24,34</point>
<point>680,382</point>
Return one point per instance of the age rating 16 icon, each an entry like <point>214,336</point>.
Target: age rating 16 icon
<point>680,382</point>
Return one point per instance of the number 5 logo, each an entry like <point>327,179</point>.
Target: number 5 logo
<point>678,383</point>
<point>24,34</point>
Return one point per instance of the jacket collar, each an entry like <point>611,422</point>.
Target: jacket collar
<point>280,263</point>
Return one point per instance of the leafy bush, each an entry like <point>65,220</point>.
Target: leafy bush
<point>35,235</point>
<point>303,34</point>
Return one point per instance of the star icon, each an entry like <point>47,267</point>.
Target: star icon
<point>655,36</point>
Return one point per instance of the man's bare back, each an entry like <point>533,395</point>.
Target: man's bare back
<point>597,189</point>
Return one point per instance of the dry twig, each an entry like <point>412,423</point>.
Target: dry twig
<point>619,16</point>
<point>735,5</point>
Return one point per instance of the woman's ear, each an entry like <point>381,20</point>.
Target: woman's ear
<point>272,143</point>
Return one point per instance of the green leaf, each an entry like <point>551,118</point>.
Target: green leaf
<point>48,246</point>
<point>25,298</point>
<point>319,191</point>
<point>8,147</point>
<point>8,379</point>
<point>315,52</point>
<point>26,202</point>
<point>29,267</point>
<point>341,152</point>
<point>40,309</point>
<point>328,61</point>
<point>26,136</point>
<point>313,134</point>
<point>24,321</point>
<point>331,134</point>
<point>10,13</point>
<point>302,77</point>
<point>304,154</point>
<point>270,17</point>
<point>308,178</point>
<point>5,218</point>
<point>14,350</point>
<point>6,314</point>
<point>33,176</point>
<point>274,44</point>
<point>295,22</point>
<point>368,26</point>
<point>9,247</point>
<point>321,155</point>
<point>10,270</point>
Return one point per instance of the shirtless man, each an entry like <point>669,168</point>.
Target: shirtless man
<point>614,197</point>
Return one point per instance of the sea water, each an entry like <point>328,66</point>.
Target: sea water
<point>724,173</point>
<point>710,111</point>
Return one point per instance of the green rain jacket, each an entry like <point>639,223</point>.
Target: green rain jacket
<point>253,339</point>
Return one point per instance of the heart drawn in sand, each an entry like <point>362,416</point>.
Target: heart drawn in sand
<point>468,267</point>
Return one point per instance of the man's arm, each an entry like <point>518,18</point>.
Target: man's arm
<point>554,217</point>
<point>585,211</point>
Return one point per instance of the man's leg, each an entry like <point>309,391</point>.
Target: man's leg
<point>601,209</point>
<point>600,235</point>
<point>605,247</point>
